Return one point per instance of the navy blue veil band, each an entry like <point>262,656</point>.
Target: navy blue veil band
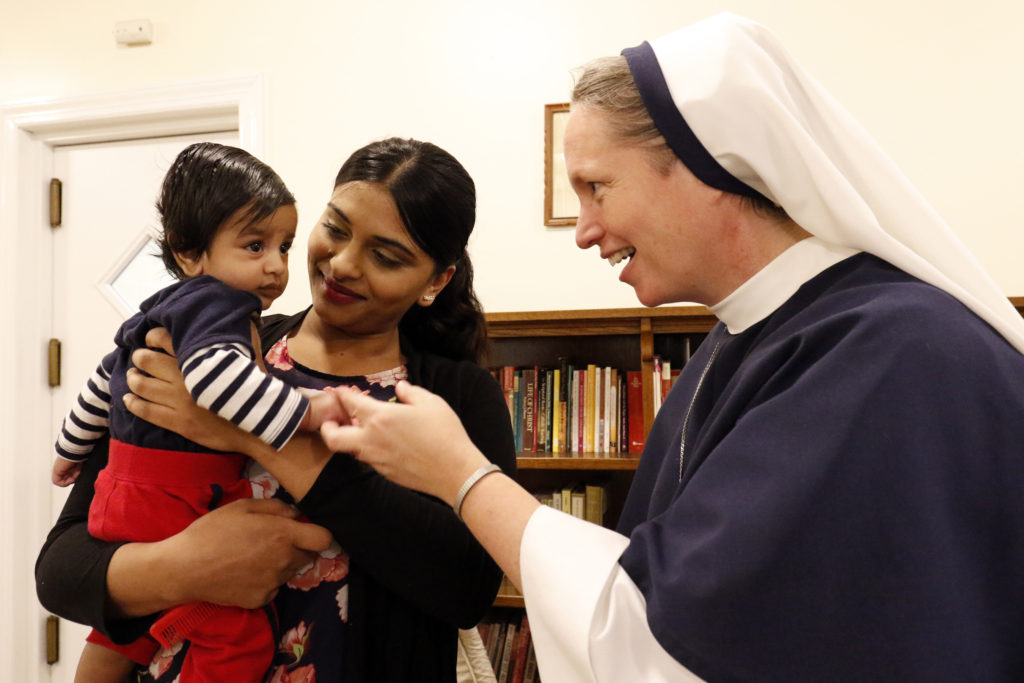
<point>650,81</point>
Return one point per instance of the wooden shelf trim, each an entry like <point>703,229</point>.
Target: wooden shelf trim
<point>509,595</point>
<point>668,320</point>
<point>503,600</point>
<point>570,461</point>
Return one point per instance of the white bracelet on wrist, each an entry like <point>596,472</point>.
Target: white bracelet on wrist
<point>471,481</point>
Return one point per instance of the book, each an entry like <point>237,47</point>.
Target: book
<point>623,415</point>
<point>635,408</point>
<point>530,671</point>
<point>656,379</point>
<point>549,394</point>
<point>576,439</point>
<point>565,370</point>
<point>588,409</point>
<point>613,412</point>
<point>493,640</point>
<point>507,379</point>
<point>544,411</point>
<point>606,407</point>
<point>595,504</point>
<point>506,653</point>
<point>577,503</point>
<point>529,391</point>
<point>599,411</point>
<point>520,650</point>
<point>556,411</point>
<point>517,409</point>
<point>666,377</point>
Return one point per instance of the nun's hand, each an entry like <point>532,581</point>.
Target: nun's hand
<point>419,443</point>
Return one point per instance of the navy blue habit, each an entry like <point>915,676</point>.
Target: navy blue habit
<point>851,504</point>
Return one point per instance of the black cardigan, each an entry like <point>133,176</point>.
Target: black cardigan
<point>416,573</point>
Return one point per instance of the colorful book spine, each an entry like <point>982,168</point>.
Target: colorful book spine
<point>529,394</point>
<point>589,410</point>
<point>666,377</point>
<point>566,372</point>
<point>635,408</point>
<point>530,674</point>
<point>556,411</point>
<point>517,409</point>
<point>613,412</point>
<point>581,402</point>
<point>595,504</point>
<point>506,653</point>
<point>549,397</point>
<point>623,415</point>
<point>521,651</point>
<point>656,379</point>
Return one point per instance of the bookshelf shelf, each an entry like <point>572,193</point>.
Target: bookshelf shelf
<point>503,600</point>
<point>626,339</point>
<point>571,461</point>
<point>509,595</point>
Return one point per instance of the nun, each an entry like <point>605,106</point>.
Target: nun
<point>834,488</point>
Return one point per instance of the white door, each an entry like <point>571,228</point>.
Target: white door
<point>103,266</point>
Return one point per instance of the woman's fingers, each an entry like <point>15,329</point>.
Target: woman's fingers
<point>341,438</point>
<point>160,338</point>
<point>419,442</point>
<point>240,553</point>
<point>157,365</point>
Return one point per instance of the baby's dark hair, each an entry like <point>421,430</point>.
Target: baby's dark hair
<point>205,185</point>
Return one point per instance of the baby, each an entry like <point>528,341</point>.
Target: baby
<point>228,224</point>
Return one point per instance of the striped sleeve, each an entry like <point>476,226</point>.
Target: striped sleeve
<point>88,420</point>
<point>223,379</point>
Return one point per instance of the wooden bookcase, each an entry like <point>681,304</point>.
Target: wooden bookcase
<point>623,338</point>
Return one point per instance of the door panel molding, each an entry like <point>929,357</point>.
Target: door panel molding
<point>29,131</point>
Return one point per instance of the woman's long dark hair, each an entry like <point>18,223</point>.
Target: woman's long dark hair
<point>436,200</point>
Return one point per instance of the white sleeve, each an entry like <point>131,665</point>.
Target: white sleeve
<point>588,618</point>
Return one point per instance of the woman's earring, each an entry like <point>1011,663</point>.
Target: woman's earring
<point>428,297</point>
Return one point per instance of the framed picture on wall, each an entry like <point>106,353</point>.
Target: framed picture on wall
<point>561,206</point>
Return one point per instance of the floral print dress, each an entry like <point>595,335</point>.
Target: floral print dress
<point>310,612</point>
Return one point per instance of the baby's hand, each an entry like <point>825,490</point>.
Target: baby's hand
<point>65,471</point>
<point>324,407</point>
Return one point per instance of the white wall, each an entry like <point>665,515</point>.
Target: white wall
<point>937,82</point>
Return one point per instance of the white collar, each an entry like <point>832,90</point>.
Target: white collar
<point>773,285</point>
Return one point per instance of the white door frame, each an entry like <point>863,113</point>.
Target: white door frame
<point>28,133</point>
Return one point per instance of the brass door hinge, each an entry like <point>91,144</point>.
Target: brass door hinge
<point>56,204</point>
<point>52,639</point>
<point>54,362</point>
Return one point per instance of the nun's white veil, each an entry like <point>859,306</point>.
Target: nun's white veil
<point>746,118</point>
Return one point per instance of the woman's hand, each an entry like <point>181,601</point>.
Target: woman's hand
<point>419,443</point>
<point>161,398</point>
<point>238,554</point>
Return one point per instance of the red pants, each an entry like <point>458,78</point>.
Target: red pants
<point>146,495</point>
